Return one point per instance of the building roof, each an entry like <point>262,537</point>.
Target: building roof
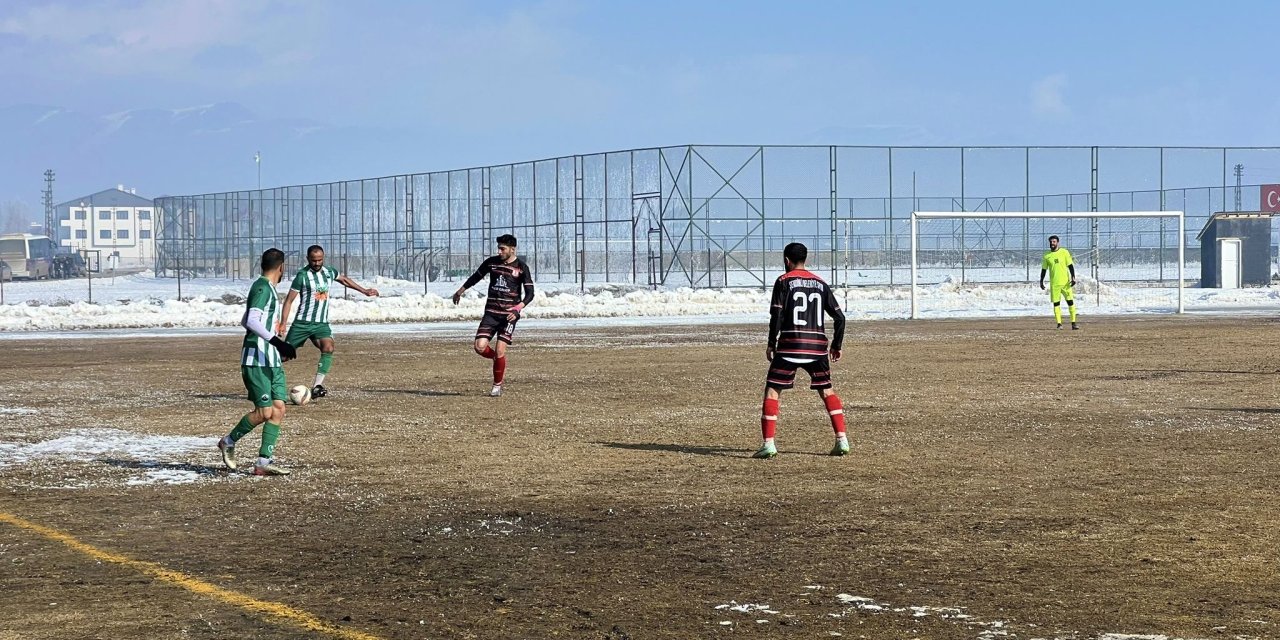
<point>1233,215</point>
<point>110,198</point>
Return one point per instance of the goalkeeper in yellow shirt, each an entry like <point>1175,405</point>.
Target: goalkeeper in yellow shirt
<point>1062,276</point>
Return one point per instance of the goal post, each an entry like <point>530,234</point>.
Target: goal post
<point>1138,239</point>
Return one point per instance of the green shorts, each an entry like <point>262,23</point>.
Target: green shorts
<point>1055,292</point>
<point>265,384</point>
<point>300,332</point>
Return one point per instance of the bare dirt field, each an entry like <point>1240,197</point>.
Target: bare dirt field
<point>1007,480</point>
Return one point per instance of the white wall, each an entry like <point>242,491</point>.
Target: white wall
<point>124,228</point>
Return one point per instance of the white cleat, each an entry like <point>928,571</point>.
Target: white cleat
<point>495,391</point>
<point>228,454</point>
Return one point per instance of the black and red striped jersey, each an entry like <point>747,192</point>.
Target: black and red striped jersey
<point>510,283</point>
<point>800,302</point>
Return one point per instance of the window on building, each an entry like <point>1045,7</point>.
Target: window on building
<point>105,234</point>
<point>144,234</point>
<point>81,234</point>
<point>104,215</point>
<point>122,234</point>
<point>122,215</point>
<point>80,214</point>
<point>144,215</point>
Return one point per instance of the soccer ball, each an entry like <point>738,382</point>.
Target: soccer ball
<point>300,395</point>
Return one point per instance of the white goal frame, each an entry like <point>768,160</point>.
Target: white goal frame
<point>975,215</point>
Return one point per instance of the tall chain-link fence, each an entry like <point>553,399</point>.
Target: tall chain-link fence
<point>710,216</point>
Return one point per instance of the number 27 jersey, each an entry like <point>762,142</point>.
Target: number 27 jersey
<point>801,300</point>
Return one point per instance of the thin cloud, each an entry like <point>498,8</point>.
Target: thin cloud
<point>1046,96</point>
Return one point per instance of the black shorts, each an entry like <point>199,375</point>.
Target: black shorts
<point>493,324</point>
<point>782,373</point>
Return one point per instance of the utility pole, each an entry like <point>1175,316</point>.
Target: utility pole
<point>49,222</point>
<point>1239,177</point>
<point>257,159</point>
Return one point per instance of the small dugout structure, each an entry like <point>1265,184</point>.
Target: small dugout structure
<point>1235,250</point>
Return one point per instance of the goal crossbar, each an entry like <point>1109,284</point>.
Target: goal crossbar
<point>974,215</point>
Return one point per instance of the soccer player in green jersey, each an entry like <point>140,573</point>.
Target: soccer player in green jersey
<point>313,286</point>
<point>261,367</point>
<point>1062,277</point>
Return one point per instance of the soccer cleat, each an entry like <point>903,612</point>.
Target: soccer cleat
<point>495,391</point>
<point>1059,325</point>
<point>269,469</point>
<point>841,448</point>
<point>1074,326</point>
<point>765,451</point>
<point>319,391</point>
<point>228,453</point>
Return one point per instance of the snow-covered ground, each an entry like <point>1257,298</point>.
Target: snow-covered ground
<point>144,301</point>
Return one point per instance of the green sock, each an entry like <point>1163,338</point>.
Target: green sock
<point>242,429</point>
<point>270,433</point>
<point>326,362</point>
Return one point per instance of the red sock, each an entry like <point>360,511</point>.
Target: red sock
<point>499,369</point>
<point>769,418</point>
<point>835,409</point>
<point>488,353</point>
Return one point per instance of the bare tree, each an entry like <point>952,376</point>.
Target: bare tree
<point>15,217</point>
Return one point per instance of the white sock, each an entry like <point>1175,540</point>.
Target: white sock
<point>319,379</point>
<point>768,442</point>
<point>262,462</point>
<point>842,438</point>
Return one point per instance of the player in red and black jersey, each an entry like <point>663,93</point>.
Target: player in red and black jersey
<point>510,290</point>
<point>797,340</point>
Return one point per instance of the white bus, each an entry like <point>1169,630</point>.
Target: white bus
<point>28,256</point>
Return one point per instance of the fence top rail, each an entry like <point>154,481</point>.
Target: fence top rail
<point>1046,214</point>
<point>690,147</point>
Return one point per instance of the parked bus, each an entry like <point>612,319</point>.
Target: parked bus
<point>29,256</point>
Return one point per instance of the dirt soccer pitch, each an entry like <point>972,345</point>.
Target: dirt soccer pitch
<point>1007,480</point>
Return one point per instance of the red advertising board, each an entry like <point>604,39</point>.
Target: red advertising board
<point>1270,197</point>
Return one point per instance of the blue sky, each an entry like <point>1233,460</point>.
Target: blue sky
<point>120,92</point>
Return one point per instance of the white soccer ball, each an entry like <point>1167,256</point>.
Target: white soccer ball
<point>300,395</point>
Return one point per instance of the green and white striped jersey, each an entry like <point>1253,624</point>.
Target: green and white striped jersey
<point>258,352</point>
<point>313,293</point>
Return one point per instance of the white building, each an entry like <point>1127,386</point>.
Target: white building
<point>116,222</point>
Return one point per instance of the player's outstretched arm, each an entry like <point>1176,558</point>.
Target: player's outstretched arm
<point>1072,269</point>
<point>481,272</point>
<point>348,282</point>
<point>1042,272</point>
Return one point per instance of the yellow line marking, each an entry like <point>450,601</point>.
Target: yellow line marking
<point>275,609</point>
